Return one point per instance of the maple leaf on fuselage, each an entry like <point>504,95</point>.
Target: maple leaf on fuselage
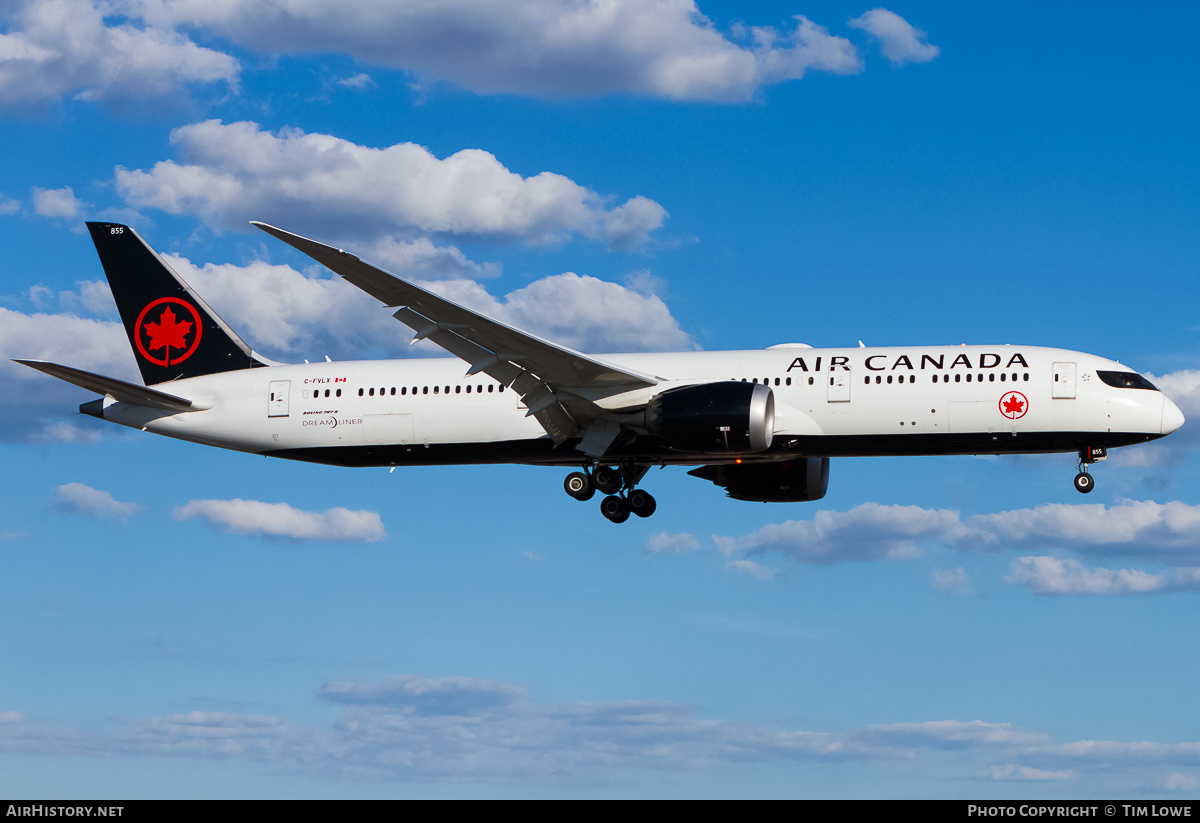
<point>167,331</point>
<point>1013,405</point>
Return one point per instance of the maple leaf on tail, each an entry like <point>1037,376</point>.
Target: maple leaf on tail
<point>167,331</point>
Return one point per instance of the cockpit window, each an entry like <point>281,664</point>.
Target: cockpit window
<point>1126,380</point>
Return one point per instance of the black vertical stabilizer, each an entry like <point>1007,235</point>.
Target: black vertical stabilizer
<point>174,334</point>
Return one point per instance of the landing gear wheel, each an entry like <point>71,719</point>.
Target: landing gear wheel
<point>642,503</point>
<point>615,508</point>
<point>1084,483</point>
<point>579,486</point>
<point>607,480</point>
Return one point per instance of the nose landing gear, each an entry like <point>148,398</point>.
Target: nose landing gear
<point>618,485</point>
<point>1087,456</point>
<point>1084,482</point>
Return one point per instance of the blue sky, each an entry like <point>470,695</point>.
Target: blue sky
<point>179,621</point>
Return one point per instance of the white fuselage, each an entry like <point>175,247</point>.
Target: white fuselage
<point>828,402</point>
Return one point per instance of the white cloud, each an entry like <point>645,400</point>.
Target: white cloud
<point>61,431</point>
<point>56,202</point>
<point>279,520</point>
<point>328,187</point>
<point>1120,754</point>
<point>213,734</point>
<point>55,48</point>
<point>1014,772</point>
<point>951,581</point>
<point>422,259</point>
<point>81,499</point>
<point>314,313</point>
<point>753,569</point>
<point>1052,575</point>
<point>549,48</point>
<point>9,205</point>
<point>1152,532</point>
<point>93,296</point>
<point>590,314</point>
<point>428,696</point>
<point>658,48</point>
<point>30,400</point>
<point>663,543</point>
<point>783,56</point>
<point>1178,782</point>
<point>900,42</point>
<point>866,532</point>
<point>358,81</point>
<point>1166,532</point>
<point>955,734</point>
<point>95,345</point>
<point>462,729</point>
<point>309,314</point>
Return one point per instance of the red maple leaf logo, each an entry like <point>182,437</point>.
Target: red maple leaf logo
<point>1014,405</point>
<point>169,333</point>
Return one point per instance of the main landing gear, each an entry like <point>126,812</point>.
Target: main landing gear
<point>1087,456</point>
<point>618,485</point>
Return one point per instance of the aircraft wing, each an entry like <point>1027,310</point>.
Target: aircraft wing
<point>116,389</point>
<point>546,375</point>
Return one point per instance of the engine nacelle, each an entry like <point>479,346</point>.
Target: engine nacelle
<point>791,481</point>
<point>714,418</point>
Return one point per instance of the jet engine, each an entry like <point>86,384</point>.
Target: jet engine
<point>714,418</point>
<point>790,481</point>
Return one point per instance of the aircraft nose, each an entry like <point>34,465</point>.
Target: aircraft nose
<point>1172,417</point>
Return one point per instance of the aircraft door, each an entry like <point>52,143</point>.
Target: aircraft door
<point>1064,381</point>
<point>839,386</point>
<point>277,402</point>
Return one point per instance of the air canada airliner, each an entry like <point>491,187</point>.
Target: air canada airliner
<point>762,425</point>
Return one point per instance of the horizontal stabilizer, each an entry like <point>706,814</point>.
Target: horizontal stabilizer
<point>116,389</point>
